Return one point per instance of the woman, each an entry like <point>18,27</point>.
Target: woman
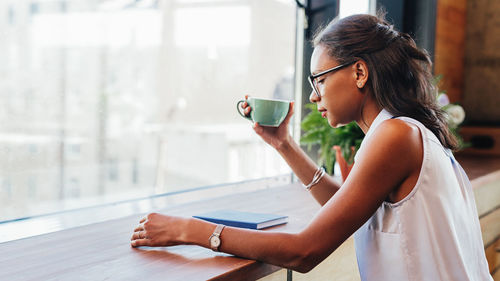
<point>406,197</point>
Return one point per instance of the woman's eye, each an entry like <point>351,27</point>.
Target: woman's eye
<point>320,81</point>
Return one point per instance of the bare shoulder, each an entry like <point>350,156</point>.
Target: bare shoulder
<point>395,131</point>
<point>396,142</point>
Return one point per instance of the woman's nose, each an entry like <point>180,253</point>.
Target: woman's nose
<point>313,97</point>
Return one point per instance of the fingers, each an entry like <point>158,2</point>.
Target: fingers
<point>139,235</point>
<point>139,228</point>
<point>247,110</point>
<point>140,242</point>
<point>245,104</point>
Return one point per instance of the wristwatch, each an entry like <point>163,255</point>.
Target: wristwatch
<point>214,239</point>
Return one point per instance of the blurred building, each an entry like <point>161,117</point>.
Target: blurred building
<point>103,100</point>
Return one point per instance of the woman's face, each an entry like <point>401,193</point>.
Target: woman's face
<point>340,99</point>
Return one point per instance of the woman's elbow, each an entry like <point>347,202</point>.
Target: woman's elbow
<point>305,261</point>
<point>304,265</point>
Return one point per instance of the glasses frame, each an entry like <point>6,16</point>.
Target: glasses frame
<point>311,78</point>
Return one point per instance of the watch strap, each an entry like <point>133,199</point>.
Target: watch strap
<point>216,233</point>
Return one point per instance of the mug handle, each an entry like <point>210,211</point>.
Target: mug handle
<point>242,114</point>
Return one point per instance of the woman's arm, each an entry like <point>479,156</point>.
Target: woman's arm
<point>379,171</point>
<point>280,139</point>
<point>304,168</point>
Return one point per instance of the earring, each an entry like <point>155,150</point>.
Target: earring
<point>360,85</point>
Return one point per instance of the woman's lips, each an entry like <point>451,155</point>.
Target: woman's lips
<point>323,114</point>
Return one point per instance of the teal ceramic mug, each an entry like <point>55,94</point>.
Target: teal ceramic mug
<point>266,112</point>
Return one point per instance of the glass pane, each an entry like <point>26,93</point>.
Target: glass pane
<point>351,7</point>
<point>113,100</point>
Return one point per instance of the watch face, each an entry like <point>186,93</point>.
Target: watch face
<point>214,242</point>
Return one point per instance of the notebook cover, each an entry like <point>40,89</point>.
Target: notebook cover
<point>243,219</point>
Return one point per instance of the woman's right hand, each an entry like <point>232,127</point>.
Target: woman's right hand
<point>274,136</point>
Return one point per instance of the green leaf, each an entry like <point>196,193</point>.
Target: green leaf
<point>311,137</point>
<point>317,130</point>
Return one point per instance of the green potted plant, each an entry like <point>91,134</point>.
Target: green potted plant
<point>342,142</point>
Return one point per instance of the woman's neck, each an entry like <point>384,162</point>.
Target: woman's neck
<point>369,113</point>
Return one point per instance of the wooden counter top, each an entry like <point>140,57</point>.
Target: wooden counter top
<point>479,166</point>
<point>102,251</point>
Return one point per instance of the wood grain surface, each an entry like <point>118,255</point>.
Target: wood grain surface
<point>449,47</point>
<point>102,251</point>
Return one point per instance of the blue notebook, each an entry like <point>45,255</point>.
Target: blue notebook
<point>243,219</point>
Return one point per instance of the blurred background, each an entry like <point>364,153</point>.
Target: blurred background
<point>104,101</point>
<point>109,100</point>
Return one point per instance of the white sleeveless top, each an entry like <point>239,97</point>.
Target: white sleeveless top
<point>433,233</point>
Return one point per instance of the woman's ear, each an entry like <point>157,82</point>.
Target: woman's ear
<point>360,73</point>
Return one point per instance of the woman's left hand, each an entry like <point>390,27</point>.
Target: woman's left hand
<point>157,230</point>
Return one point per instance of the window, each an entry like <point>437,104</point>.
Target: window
<point>34,8</point>
<point>351,7</point>
<point>11,15</point>
<point>130,98</point>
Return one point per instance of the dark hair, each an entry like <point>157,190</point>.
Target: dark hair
<point>400,77</point>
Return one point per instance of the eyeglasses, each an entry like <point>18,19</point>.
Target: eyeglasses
<point>312,78</point>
